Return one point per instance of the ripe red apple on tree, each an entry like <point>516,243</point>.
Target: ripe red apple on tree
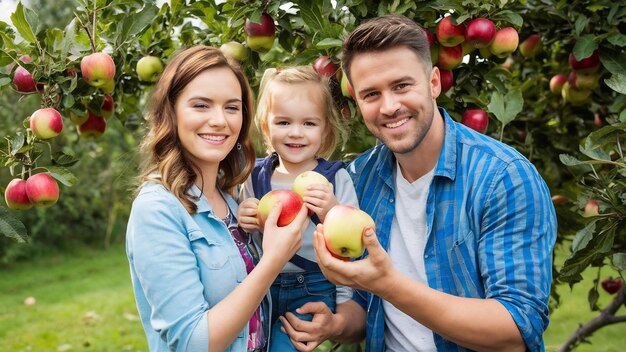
<point>476,119</point>
<point>583,80</point>
<point>434,46</point>
<point>450,56</point>
<point>450,34</point>
<point>306,179</point>
<point>77,119</point>
<point>46,123</point>
<point>108,105</point>
<point>343,230</point>
<point>15,195</point>
<point>235,50</point>
<point>42,190</point>
<point>149,68</point>
<point>291,201</point>
<point>612,285</point>
<point>590,64</point>
<point>591,208</point>
<point>556,83</point>
<point>260,36</point>
<point>447,80</point>
<point>531,46</point>
<point>505,42</point>
<point>324,66</point>
<point>93,127</point>
<point>22,79</point>
<point>97,69</point>
<point>480,32</point>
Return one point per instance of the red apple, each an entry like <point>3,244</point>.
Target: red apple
<point>260,36</point>
<point>449,34</point>
<point>480,32</point>
<point>306,179</point>
<point>97,69</point>
<point>42,190</point>
<point>149,68</point>
<point>505,42</point>
<point>22,79</point>
<point>476,119</point>
<point>78,119</point>
<point>556,83</point>
<point>591,63</point>
<point>235,50</point>
<point>450,57</point>
<point>531,46</point>
<point>93,127</point>
<point>15,195</point>
<point>612,285</point>
<point>591,208</point>
<point>324,66</point>
<point>447,80</point>
<point>343,230</point>
<point>434,54</point>
<point>291,201</point>
<point>108,104</point>
<point>46,123</point>
<point>432,41</point>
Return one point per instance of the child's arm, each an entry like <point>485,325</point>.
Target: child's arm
<point>246,215</point>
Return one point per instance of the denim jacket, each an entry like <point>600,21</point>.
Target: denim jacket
<point>181,265</point>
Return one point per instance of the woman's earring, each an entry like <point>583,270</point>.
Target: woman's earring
<point>238,146</point>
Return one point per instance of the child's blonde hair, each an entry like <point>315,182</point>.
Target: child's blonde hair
<point>299,74</point>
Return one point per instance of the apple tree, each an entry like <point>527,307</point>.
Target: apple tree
<point>546,77</point>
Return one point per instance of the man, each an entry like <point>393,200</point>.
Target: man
<point>461,255</point>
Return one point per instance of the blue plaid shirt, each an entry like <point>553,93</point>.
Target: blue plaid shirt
<point>491,229</point>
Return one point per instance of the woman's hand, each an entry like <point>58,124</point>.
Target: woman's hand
<point>280,243</point>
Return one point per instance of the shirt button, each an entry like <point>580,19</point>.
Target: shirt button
<point>391,201</point>
<point>425,255</point>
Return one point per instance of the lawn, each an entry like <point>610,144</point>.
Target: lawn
<point>84,302</point>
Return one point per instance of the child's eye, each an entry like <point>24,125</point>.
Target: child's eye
<point>310,123</point>
<point>282,123</point>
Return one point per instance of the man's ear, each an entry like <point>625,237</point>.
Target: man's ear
<point>435,82</point>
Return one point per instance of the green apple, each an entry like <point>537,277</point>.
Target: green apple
<point>343,230</point>
<point>346,88</point>
<point>235,50</point>
<point>306,179</point>
<point>575,96</point>
<point>149,68</point>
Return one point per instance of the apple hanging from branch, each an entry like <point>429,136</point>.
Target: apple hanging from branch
<point>42,190</point>
<point>235,50</point>
<point>15,195</point>
<point>93,127</point>
<point>505,42</point>
<point>324,66</point>
<point>97,69</point>
<point>260,36</point>
<point>476,119</point>
<point>450,34</point>
<point>46,123</point>
<point>480,32</point>
<point>149,68</point>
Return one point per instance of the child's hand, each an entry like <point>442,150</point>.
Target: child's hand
<point>246,215</point>
<point>319,199</point>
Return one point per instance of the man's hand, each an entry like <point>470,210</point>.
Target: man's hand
<point>374,273</point>
<point>307,335</point>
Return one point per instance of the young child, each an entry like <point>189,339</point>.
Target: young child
<point>300,126</point>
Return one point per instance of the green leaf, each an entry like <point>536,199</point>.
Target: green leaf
<point>312,16</point>
<point>592,298</point>
<point>4,81</point>
<point>506,107</point>
<point>581,23</point>
<point>585,46</point>
<point>62,175</point>
<point>11,227</point>
<point>619,261</point>
<point>328,43</point>
<point>583,237</point>
<point>68,38</point>
<point>63,159</point>
<point>21,24</point>
<point>617,39</point>
<point>8,41</point>
<point>136,23</point>
<point>17,142</point>
<point>613,61</point>
<point>569,160</point>
<point>617,82</point>
<point>496,105</point>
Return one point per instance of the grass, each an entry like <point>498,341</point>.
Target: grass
<point>84,302</point>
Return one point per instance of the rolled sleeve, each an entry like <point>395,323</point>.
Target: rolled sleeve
<point>165,273</point>
<point>518,235</point>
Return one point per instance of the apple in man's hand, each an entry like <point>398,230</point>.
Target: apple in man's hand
<point>149,68</point>
<point>343,230</point>
<point>97,69</point>
<point>290,200</point>
<point>46,123</point>
<point>42,190</point>
<point>15,195</point>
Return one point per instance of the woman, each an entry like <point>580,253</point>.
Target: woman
<point>198,280</point>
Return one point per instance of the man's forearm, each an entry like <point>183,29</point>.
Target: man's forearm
<point>349,323</point>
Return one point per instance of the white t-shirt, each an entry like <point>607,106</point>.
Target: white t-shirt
<point>406,251</point>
